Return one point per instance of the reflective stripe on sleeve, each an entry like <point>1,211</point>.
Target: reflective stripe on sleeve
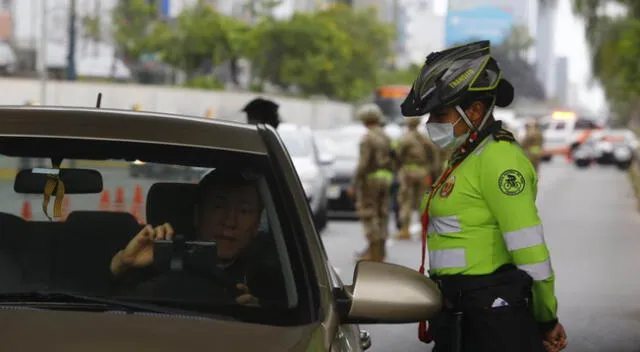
<point>524,238</point>
<point>538,271</point>
<point>443,224</point>
<point>447,258</point>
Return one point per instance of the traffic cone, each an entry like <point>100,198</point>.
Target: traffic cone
<point>26,211</point>
<point>120,201</point>
<point>105,200</point>
<point>138,197</point>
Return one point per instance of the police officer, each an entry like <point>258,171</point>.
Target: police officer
<point>417,158</point>
<point>261,110</point>
<point>371,182</point>
<point>532,143</point>
<point>486,245</point>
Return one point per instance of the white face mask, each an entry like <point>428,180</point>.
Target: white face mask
<point>443,135</point>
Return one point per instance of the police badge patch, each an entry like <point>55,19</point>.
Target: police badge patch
<point>511,182</point>
<point>447,188</point>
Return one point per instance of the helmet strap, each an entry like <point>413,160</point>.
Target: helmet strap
<point>485,118</point>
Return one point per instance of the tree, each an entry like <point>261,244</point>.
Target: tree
<point>307,52</point>
<point>133,22</point>
<point>614,45</point>
<point>370,42</point>
<point>517,42</point>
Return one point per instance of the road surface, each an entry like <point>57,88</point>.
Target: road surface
<point>592,229</point>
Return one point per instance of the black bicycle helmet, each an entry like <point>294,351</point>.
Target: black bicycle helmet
<point>456,75</point>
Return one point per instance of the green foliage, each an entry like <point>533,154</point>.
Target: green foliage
<point>615,46</point>
<point>337,52</point>
<point>400,77</point>
<point>133,22</point>
<point>205,82</point>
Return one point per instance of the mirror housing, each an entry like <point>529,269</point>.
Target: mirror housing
<point>326,158</point>
<point>384,293</point>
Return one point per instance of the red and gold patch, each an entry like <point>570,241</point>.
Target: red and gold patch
<point>447,188</point>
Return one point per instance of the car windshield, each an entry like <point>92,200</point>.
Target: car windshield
<point>141,232</point>
<point>297,143</point>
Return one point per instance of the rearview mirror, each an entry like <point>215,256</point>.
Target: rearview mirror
<point>76,181</point>
<point>386,293</point>
<point>326,158</point>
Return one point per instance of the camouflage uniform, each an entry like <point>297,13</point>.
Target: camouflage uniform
<point>372,181</point>
<point>418,159</point>
<point>532,144</point>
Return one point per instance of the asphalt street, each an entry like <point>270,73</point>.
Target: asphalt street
<point>592,228</point>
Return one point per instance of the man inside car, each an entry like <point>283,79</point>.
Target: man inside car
<point>228,211</point>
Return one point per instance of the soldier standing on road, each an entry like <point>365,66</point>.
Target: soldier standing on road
<point>372,181</point>
<point>532,144</point>
<point>261,110</point>
<point>417,158</point>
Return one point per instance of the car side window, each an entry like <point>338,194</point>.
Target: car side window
<point>583,124</point>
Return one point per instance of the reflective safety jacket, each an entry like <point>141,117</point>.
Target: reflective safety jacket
<point>484,216</point>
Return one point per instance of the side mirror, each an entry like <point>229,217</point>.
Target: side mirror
<point>326,158</point>
<point>384,293</point>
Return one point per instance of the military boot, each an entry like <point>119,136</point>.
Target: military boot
<point>403,234</point>
<point>367,253</point>
<point>383,250</point>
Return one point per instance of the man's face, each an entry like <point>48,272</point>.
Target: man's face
<point>230,216</point>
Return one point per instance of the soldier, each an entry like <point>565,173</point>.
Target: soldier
<point>418,158</point>
<point>532,144</point>
<point>372,181</point>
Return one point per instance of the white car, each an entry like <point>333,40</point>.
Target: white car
<point>312,165</point>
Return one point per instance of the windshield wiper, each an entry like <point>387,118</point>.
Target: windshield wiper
<point>61,298</point>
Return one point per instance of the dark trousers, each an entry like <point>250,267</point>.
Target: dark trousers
<point>474,319</point>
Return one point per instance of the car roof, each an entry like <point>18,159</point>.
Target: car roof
<point>127,125</point>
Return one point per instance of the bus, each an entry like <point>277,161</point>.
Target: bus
<point>388,98</point>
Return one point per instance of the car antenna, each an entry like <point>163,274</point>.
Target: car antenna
<point>99,100</point>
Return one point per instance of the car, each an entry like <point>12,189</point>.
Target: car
<point>55,274</point>
<point>585,154</point>
<point>615,146</point>
<point>313,167</point>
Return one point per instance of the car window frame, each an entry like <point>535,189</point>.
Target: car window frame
<point>303,313</point>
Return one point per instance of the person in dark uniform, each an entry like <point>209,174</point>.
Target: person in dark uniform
<point>228,211</point>
<point>261,110</point>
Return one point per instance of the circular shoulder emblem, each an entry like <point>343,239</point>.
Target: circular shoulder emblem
<point>511,182</point>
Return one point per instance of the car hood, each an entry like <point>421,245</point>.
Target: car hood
<point>45,330</point>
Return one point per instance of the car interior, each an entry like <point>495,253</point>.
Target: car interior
<point>74,255</point>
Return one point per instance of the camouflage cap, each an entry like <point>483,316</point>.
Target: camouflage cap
<point>369,113</point>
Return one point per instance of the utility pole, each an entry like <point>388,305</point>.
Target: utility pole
<point>71,57</point>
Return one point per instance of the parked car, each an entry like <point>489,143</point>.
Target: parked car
<point>312,166</point>
<point>56,279</point>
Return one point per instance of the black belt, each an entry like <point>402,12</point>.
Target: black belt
<point>450,284</point>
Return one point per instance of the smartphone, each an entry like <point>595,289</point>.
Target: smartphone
<point>178,255</point>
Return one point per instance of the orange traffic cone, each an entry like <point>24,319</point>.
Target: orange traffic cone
<point>138,197</point>
<point>105,201</point>
<point>119,203</point>
<point>26,211</point>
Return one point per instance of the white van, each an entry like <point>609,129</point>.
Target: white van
<point>563,131</point>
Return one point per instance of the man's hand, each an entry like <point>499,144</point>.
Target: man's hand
<point>139,251</point>
<point>556,339</point>
<point>246,298</point>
